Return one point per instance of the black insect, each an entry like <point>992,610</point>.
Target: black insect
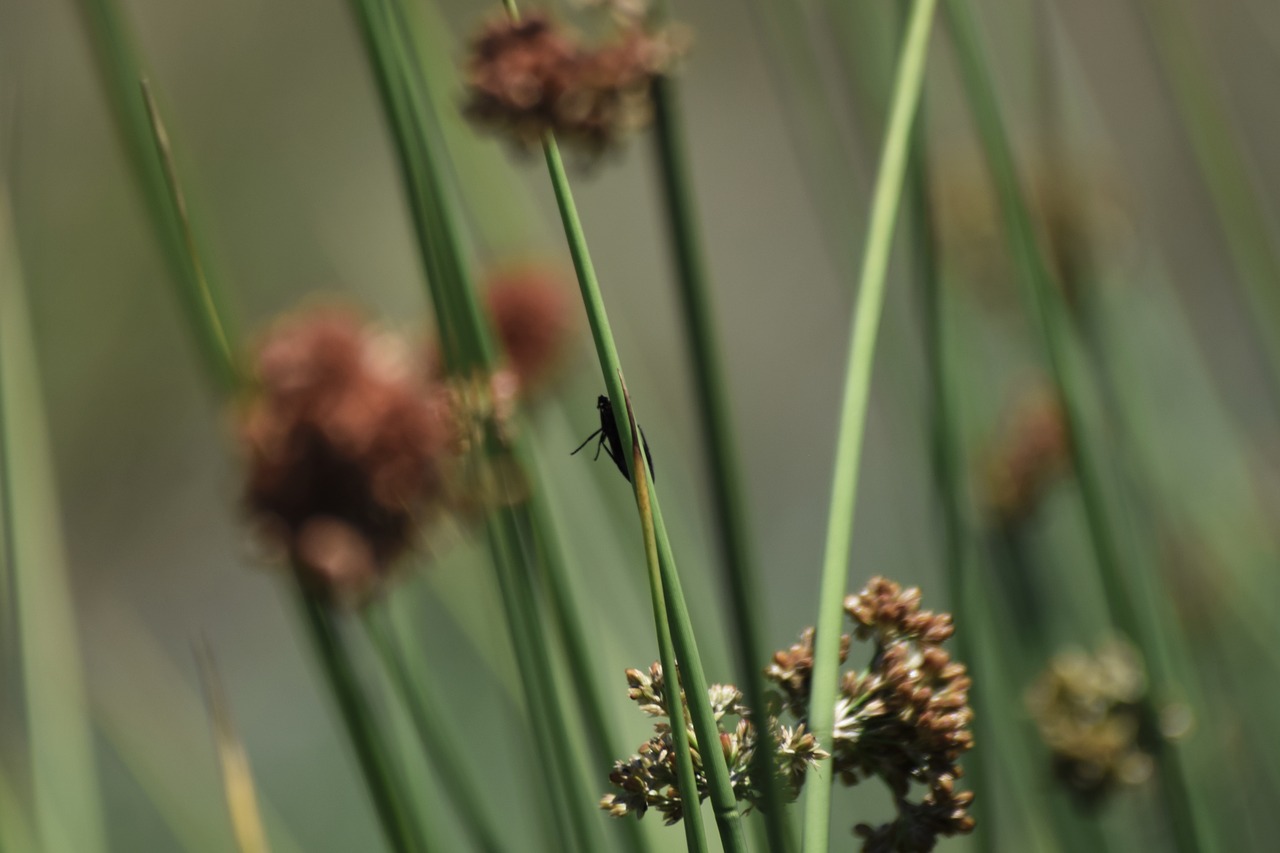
<point>611,441</point>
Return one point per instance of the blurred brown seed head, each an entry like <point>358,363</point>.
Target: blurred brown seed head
<point>532,314</point>
<point>529,77</point>
<point>1033,451</point>
<point>344,445</point>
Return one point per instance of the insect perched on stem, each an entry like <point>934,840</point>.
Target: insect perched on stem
<point>611,441</point>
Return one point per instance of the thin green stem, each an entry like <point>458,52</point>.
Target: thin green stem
<point>821,146</point>
<point>741,576</point>
<point>871,290</point>
<point>58,733</point>
<point>469,350</point>
<point>550,724</point>
<point>372,752</point>
<point>1142,624</point>
<point>1216,147</point>
<point>141,126</point>
<point>555,577</point>
<point>945,458</point>
<point>143,136</point>
<point>724,804</point>
<point>695,837</point>
<point>442,746</point>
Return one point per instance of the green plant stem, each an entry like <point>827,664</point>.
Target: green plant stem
<point>442,746</point>
<point>551,726</point>
<point>741,575</point>
<point>142,128</point>
<point>380,775</point>
<point>142,135</point>
<point>944,456</point>
<point>1218,152</point>
<point>830,178</point>
<point>871,289</point>
<point>724,804</point>
<point>58,736</point>
<point>577,644</point>
<point>695,838</point>
<point>1141,624</point>
<point>469,351</point>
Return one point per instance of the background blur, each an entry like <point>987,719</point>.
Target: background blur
<point>287,164</point>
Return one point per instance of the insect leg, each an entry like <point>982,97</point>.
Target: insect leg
<point>588,441</point>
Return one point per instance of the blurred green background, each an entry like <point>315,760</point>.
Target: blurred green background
<point>286,161</point>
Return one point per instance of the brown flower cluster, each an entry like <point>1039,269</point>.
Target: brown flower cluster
<point>1033,451</point>
<point>344,447</point>
<point>792,669</point>
<point>352,442</point>
<point>528,77</point>
<point>904,719</point>
<point>532,316</point>
<point>1089,711</point>
<point>648,779</point>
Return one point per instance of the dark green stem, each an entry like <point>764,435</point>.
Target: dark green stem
<point>372,752</point>
<point>945,459</point>
<point>741,575</point>
<point>442,746</point>
<point>1216,148</point>
<point>1139,623</point>
<point>728,817</point>
<point>142,135</point>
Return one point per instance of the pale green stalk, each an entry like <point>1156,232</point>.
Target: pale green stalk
<point>64,774</point>
<point>16,834</point>
<point>871,290</point>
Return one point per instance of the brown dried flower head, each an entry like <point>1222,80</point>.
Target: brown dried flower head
<point>343,444</point>
<point>1033,451</point>
<point>904,719</point>
<point>1088,709</point>
<point>528,77</point>
<point>532,315</point>
<point>648,779</point>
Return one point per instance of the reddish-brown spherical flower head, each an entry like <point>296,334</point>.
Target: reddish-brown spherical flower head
<point>532,315</point>
<point>344,445</point>
<point>531,76</point>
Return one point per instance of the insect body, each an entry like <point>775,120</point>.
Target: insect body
<point>611,442</point>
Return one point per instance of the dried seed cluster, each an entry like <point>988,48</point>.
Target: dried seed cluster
<point>904,719</point>
<point>528,77</point>
<point>648,779</point>
<point>531,312</point>
<point>1088,709</point>
<point>351,442</point>
<point>1033,452</point>
<point>344,447</point>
